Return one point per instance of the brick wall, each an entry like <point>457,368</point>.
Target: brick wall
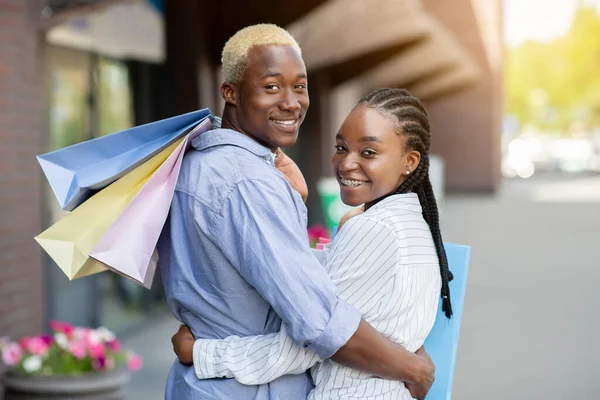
<point>22,110</point>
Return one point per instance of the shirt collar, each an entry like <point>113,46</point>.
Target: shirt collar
<point>409,199</point>
<point>223,137</point>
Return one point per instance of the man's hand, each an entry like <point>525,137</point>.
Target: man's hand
<point>292,173</point>
<point>420,390</point>
<point>352,213</point>
<point>183,345</point>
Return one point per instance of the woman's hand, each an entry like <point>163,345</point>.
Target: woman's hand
<point>291,173</point>
<point>183,345</point>
<point>352,213</point>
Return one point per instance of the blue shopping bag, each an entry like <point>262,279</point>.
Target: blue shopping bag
<point>78,171</point>
<point>442,342</point>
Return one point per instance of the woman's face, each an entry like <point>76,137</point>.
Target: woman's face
<point>371,159</point>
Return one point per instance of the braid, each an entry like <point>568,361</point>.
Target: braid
<point>431,215</point>
<point>410,115</point>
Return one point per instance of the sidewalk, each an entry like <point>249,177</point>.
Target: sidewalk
<point>531,315</point>
<point>530,322</point>
<point>154,345</point>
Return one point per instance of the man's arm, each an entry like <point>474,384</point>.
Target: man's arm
<point>262,237</point>
<point>259,231</point>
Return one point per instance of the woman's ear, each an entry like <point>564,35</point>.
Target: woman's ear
<point>413,158</point>
<point>229,93</point>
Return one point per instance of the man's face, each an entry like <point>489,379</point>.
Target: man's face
<point>272,99</point>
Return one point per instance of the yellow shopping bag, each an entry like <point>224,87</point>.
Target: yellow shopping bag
<point>70,241</point>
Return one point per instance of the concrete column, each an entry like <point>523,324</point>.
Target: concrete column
<point>466,127</point>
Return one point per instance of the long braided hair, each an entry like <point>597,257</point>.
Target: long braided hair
<point>411,119</point>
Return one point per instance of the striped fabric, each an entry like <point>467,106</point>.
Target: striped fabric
<point>382,262</point>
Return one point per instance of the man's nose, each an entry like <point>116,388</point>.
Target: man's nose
<point>290,102</point>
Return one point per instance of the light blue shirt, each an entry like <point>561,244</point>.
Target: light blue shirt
<point>235,260</point>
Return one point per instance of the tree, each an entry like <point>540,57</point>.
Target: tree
<point>552,85</point>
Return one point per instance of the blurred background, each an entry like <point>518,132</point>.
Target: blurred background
<point>512,88</point>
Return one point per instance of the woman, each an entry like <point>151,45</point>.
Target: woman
<point>387,261</point>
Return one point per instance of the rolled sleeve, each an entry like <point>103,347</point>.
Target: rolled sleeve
<point>341,326</point>
<point>259,229</point>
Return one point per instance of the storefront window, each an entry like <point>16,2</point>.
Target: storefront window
<point>115,109</point>
<point>69,94</point>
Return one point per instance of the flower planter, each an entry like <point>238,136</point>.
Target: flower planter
<point>87,386</point>
<point>73,363</point>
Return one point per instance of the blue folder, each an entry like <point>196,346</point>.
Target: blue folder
<point>442,342</point>
<point>76,172</point>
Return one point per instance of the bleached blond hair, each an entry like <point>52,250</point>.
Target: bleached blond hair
<point>235,52</point>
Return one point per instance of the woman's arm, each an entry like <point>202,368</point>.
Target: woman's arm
<point>251,360</point>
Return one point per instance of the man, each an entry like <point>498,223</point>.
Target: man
<point>234,253</point>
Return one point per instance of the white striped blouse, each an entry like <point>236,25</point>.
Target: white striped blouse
<point>384,263</point>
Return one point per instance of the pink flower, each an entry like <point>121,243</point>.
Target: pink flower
<point>24,342</point>
<point>4,340</point>
<point>96,350</point>
<point>77,348</point>
<point>317,231</point>
<point>59,326</point>
<point>47,339</point>
<point>134,362</point>
<point>56,326</point>
<point>102,363</point>
<point>37,346</point>
<point>114,346</point>
<point>12,354</point>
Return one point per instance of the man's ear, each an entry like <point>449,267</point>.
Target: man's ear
<point>229,93</point>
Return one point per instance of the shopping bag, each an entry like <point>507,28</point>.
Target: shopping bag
<point>442,342</point>
<point>70,240</point>
<point>129,246</point>
<point>76,172</point>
